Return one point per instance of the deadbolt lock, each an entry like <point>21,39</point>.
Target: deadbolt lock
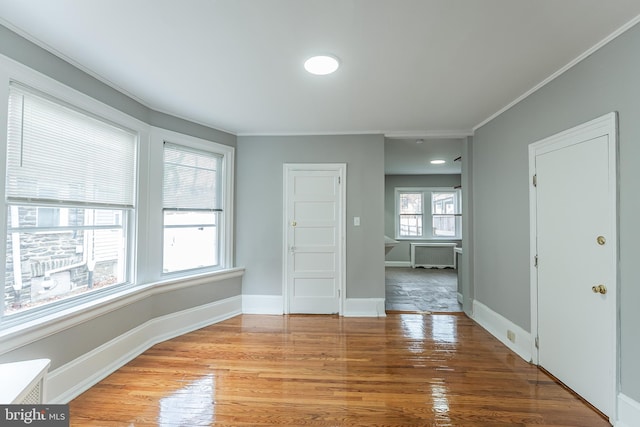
<point>601,240</point>
<point>599,289</point>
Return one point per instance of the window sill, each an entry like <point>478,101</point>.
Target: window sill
<point>20,335</point>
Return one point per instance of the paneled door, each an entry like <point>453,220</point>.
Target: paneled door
<point>314,220</point>
<point>574,195</point>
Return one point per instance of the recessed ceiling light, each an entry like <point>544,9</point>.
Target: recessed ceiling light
<point>437,162</point>
<point>321,65</point>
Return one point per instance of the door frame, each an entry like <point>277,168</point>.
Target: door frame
<point>601,126</point>
<point>341,168</point>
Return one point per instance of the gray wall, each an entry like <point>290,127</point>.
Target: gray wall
<point>608,80</point>
<point>259,233</point>
<point>402,250</point>
<point>73,342</point>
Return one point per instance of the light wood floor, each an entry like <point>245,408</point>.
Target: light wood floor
<point>402,370</point>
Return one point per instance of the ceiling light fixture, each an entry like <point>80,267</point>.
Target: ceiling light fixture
<point>437,162</point>
<point>321,65</point>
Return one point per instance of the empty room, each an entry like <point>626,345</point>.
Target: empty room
<point>320,213</point>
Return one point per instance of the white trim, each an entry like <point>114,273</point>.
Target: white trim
<point>397,263</point>
<point>69,381</point>
<point>37,329</point>
<point>628,412</point>
<point>341,168</point>
<point>429,134</point>
<point>262,304</point>
<point>600,126</point>
<point>391,134</point>
<point>364,307</point>
<point>498,325</point>
<point>562,70</point>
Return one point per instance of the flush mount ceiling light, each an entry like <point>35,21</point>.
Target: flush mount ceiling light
<point>321,65</point>
<point>437,162</point>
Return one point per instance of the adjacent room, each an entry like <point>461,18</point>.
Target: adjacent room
<point>423,214</point>
<point>323,213</point>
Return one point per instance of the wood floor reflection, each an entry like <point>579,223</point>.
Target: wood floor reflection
<point>402,370</point>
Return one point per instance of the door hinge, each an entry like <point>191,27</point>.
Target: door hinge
<point>535,261</point>
<point>535,180</point>
<point>339,180</point>
<point>537,342</point>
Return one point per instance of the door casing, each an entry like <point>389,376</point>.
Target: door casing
<point>604,125</point>
<point>341,168</point>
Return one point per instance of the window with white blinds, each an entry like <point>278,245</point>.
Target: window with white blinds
<point>57,154</point>
<point>70,194</point>
<point>192,206</point>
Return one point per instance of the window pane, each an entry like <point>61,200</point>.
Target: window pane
<point>190,240</point>
<point>444,225</point>
<point>443,203</point>
<point>444,206</point>
<point>57,253</point>
<point>410,225</point>
<point>410,203</point>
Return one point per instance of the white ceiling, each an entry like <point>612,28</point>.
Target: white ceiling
<point>413,68</point>
<point>405,156</point>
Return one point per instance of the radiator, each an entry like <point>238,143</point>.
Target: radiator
<point>433,255</point>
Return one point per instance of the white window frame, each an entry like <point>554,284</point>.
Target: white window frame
<point>12,71</point>
<point>427,214</point>
<point>159,137</point>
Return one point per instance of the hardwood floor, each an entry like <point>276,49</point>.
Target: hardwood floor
<point>421,290</point>
<point>402,370</point>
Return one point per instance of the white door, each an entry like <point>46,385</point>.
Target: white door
<point>314,221</point>
<point>576,247</point>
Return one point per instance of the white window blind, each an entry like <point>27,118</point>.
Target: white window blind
<point>56,154</point>
<point>191,179</point>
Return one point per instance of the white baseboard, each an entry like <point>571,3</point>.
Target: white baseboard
<point>628,412</point>
<point>498,326</point>
<point>364,307</point>
<point>262,304</point>
<point>460,297</point>
<point>70,380</point>
<point>397,263</point>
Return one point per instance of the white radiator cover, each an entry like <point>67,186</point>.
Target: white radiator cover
<point>23,382</point>
<point>433,255</point>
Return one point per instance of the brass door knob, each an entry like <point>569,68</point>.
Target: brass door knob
<point>599,289</point>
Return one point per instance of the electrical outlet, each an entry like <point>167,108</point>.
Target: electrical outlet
<point>511,336</point>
